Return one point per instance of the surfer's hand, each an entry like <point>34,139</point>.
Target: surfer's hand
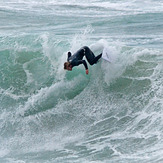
<point>86,71</point>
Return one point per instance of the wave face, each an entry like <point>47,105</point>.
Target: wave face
<point>114,114</point>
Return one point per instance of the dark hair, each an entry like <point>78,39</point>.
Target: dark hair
<point>66,64</point>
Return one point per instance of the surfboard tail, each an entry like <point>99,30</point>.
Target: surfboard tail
<point>106,55</point>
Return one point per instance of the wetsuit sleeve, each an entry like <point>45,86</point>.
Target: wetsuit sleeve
<point>78,62</point>
<point>84,63</point>
<point>68,56</point>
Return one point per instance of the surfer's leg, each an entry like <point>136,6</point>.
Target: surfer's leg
<point>97,58</point>
<point>89,55</point>
<point>91,58</point>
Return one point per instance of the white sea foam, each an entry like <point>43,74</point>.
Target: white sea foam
<point>52,115</point>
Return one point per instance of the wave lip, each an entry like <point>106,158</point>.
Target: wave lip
<point>50,115</point>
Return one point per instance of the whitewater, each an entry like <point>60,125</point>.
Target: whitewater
<point>50,115</point>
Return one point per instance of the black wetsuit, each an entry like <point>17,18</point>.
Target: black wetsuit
<point>77,58</point>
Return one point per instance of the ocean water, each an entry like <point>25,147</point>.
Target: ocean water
<point>112,115</point>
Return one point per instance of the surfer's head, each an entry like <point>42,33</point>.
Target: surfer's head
<point>67,66</point>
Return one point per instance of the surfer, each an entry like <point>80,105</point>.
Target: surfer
<point>77,59</point>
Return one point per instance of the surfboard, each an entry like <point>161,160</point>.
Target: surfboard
<point>106,55</point>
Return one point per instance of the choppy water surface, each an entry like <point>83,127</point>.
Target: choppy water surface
<point>112,115</point>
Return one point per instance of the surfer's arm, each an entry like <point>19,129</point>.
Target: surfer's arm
<point>78,62</point>
<point>84,63</point>
<point>68,55</point>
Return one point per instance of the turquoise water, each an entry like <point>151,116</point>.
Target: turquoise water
<point>49,115</point>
